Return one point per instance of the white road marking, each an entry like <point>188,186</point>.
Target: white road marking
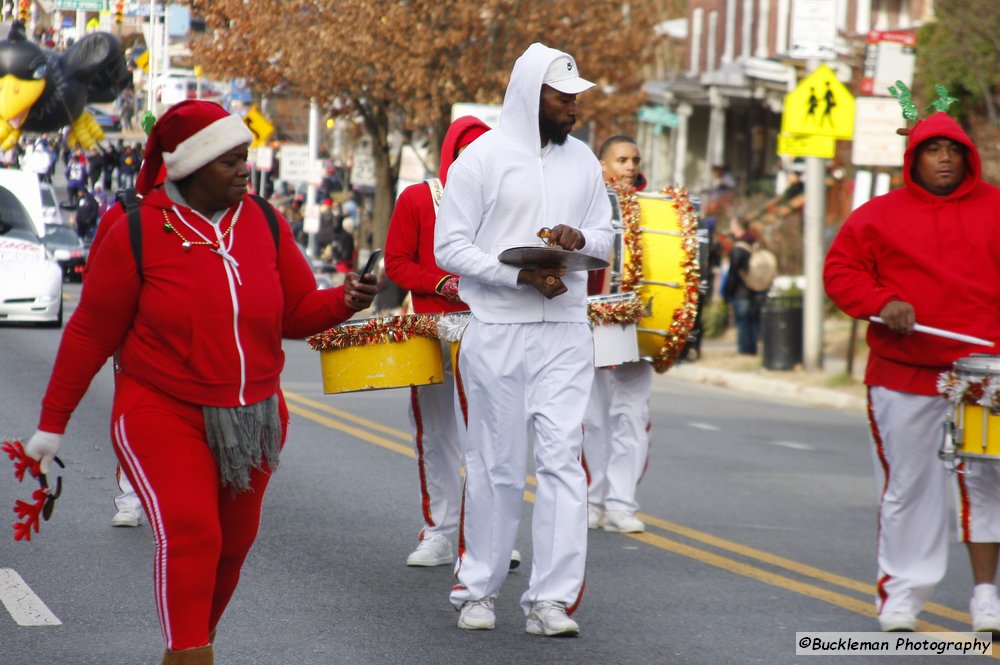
<point>22,603</point>
<point>793,445</point>
<point>704,426</point>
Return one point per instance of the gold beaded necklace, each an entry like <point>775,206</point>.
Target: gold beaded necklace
<point>187,244</point>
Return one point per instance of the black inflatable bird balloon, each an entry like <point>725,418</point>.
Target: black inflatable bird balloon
<point>43,90</point>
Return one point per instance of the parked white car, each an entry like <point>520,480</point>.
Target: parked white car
<point>30,278</point>
<point>50,204</point>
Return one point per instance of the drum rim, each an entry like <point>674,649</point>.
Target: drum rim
<point>613,297</point>
<point>353,323</point>
<point>654,196</point>
<point>973,456</point>
<point>969,364</point>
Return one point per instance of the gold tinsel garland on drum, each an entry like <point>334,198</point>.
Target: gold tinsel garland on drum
<point>684,315</point>
<point>628,202</point>
<point>969,389</point>
<point>378,330</point>
<point>623,312</point>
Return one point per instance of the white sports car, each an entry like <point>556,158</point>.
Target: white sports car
<point>30,278</point>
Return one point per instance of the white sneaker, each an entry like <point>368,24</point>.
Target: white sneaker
<point>985,611</point>
<point>595,514</point>
<point>515,559</point>
<point>547,617</point>
<point>622,522</point>
<point>477,615</point>
<point>127,517</point>
<point>433,551</point>
<point>897,622</point>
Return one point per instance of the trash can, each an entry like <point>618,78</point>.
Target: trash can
<point>781,331</point>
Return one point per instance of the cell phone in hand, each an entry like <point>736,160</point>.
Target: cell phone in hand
<point>372,262</point>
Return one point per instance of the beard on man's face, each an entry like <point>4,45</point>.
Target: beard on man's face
<point>554,131</point>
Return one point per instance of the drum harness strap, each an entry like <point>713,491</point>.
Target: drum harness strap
<point>437,191</point>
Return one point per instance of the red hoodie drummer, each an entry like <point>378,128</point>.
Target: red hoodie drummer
<point>409,262</point>
<point>924,253</point>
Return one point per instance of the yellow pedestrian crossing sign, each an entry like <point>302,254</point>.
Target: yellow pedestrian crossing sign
<point>260,126</point>
<point>820,106</point>
<point>143,61</point>
<point>798,145</point>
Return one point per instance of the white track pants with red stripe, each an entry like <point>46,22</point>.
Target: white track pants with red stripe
<point>907,431</point>
<point>616,434</point>
<point>439,455</point>
<point>522,380</point>
<point>979,501</point>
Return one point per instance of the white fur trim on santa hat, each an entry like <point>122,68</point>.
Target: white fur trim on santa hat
<point>206,145</point>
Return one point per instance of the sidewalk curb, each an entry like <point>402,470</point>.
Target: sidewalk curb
<point>745,382</point>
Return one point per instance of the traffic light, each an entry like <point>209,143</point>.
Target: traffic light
<point>24,10</point>
<point>119,11</point>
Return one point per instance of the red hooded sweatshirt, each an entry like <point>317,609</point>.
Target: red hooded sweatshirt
<point>409,247</point>
<point>189,327</point>
<point>941,254</point>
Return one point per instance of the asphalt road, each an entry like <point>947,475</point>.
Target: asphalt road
<point>761,519</point>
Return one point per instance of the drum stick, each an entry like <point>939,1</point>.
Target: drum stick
<point>943,333</point>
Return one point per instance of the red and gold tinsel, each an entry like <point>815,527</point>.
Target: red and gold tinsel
<point>624,312</point>
<point>971,389</point>
<point>379,330</point>
<point>628,202</point>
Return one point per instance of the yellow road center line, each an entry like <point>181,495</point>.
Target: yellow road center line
<point>865,608</point>
<point>789,564</point>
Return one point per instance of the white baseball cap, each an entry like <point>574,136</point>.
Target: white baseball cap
<point>563,75</point>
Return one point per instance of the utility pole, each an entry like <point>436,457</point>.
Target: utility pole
<point>311,207</point>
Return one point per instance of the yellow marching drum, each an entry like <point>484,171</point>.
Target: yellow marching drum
<point>973,387</point>
<point>378,353</point>
<point>659,262</point>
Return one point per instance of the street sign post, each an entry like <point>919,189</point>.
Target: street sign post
<point>819,106</point>
<point>814,30</point>
<point>259,126</point>
<point>295,165</point>
<point>264,158</point>
<point>889,57</point>
<point>876,142</point>
<point>82,5</point>
<point>794,145</point>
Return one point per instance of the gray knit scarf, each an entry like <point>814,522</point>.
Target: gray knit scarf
<point>241,438</point>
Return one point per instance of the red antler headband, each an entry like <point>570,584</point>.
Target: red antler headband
<point>30,515</point>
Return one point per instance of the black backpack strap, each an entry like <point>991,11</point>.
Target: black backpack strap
<point>272,219</point>
<point>130,201</point>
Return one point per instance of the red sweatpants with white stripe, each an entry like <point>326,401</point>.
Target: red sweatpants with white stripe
<point>203,532</point>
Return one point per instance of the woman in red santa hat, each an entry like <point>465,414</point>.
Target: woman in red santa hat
<point>197,313</point>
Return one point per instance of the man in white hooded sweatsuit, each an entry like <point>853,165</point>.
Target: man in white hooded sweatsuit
<point>527,357</point>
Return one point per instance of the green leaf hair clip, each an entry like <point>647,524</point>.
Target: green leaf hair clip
<point>944,100</point>
<point>905,99</point>
<point>147,122</point>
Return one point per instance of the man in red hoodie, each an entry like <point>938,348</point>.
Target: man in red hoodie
<point>924,253</point>
<point>409,262</point>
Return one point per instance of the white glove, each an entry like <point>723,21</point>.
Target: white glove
<point>43,446</point>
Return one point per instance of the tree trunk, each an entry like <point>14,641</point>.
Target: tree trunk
<point>376,123</point>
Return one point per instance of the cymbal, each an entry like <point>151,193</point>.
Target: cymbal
<point>535,256</point>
